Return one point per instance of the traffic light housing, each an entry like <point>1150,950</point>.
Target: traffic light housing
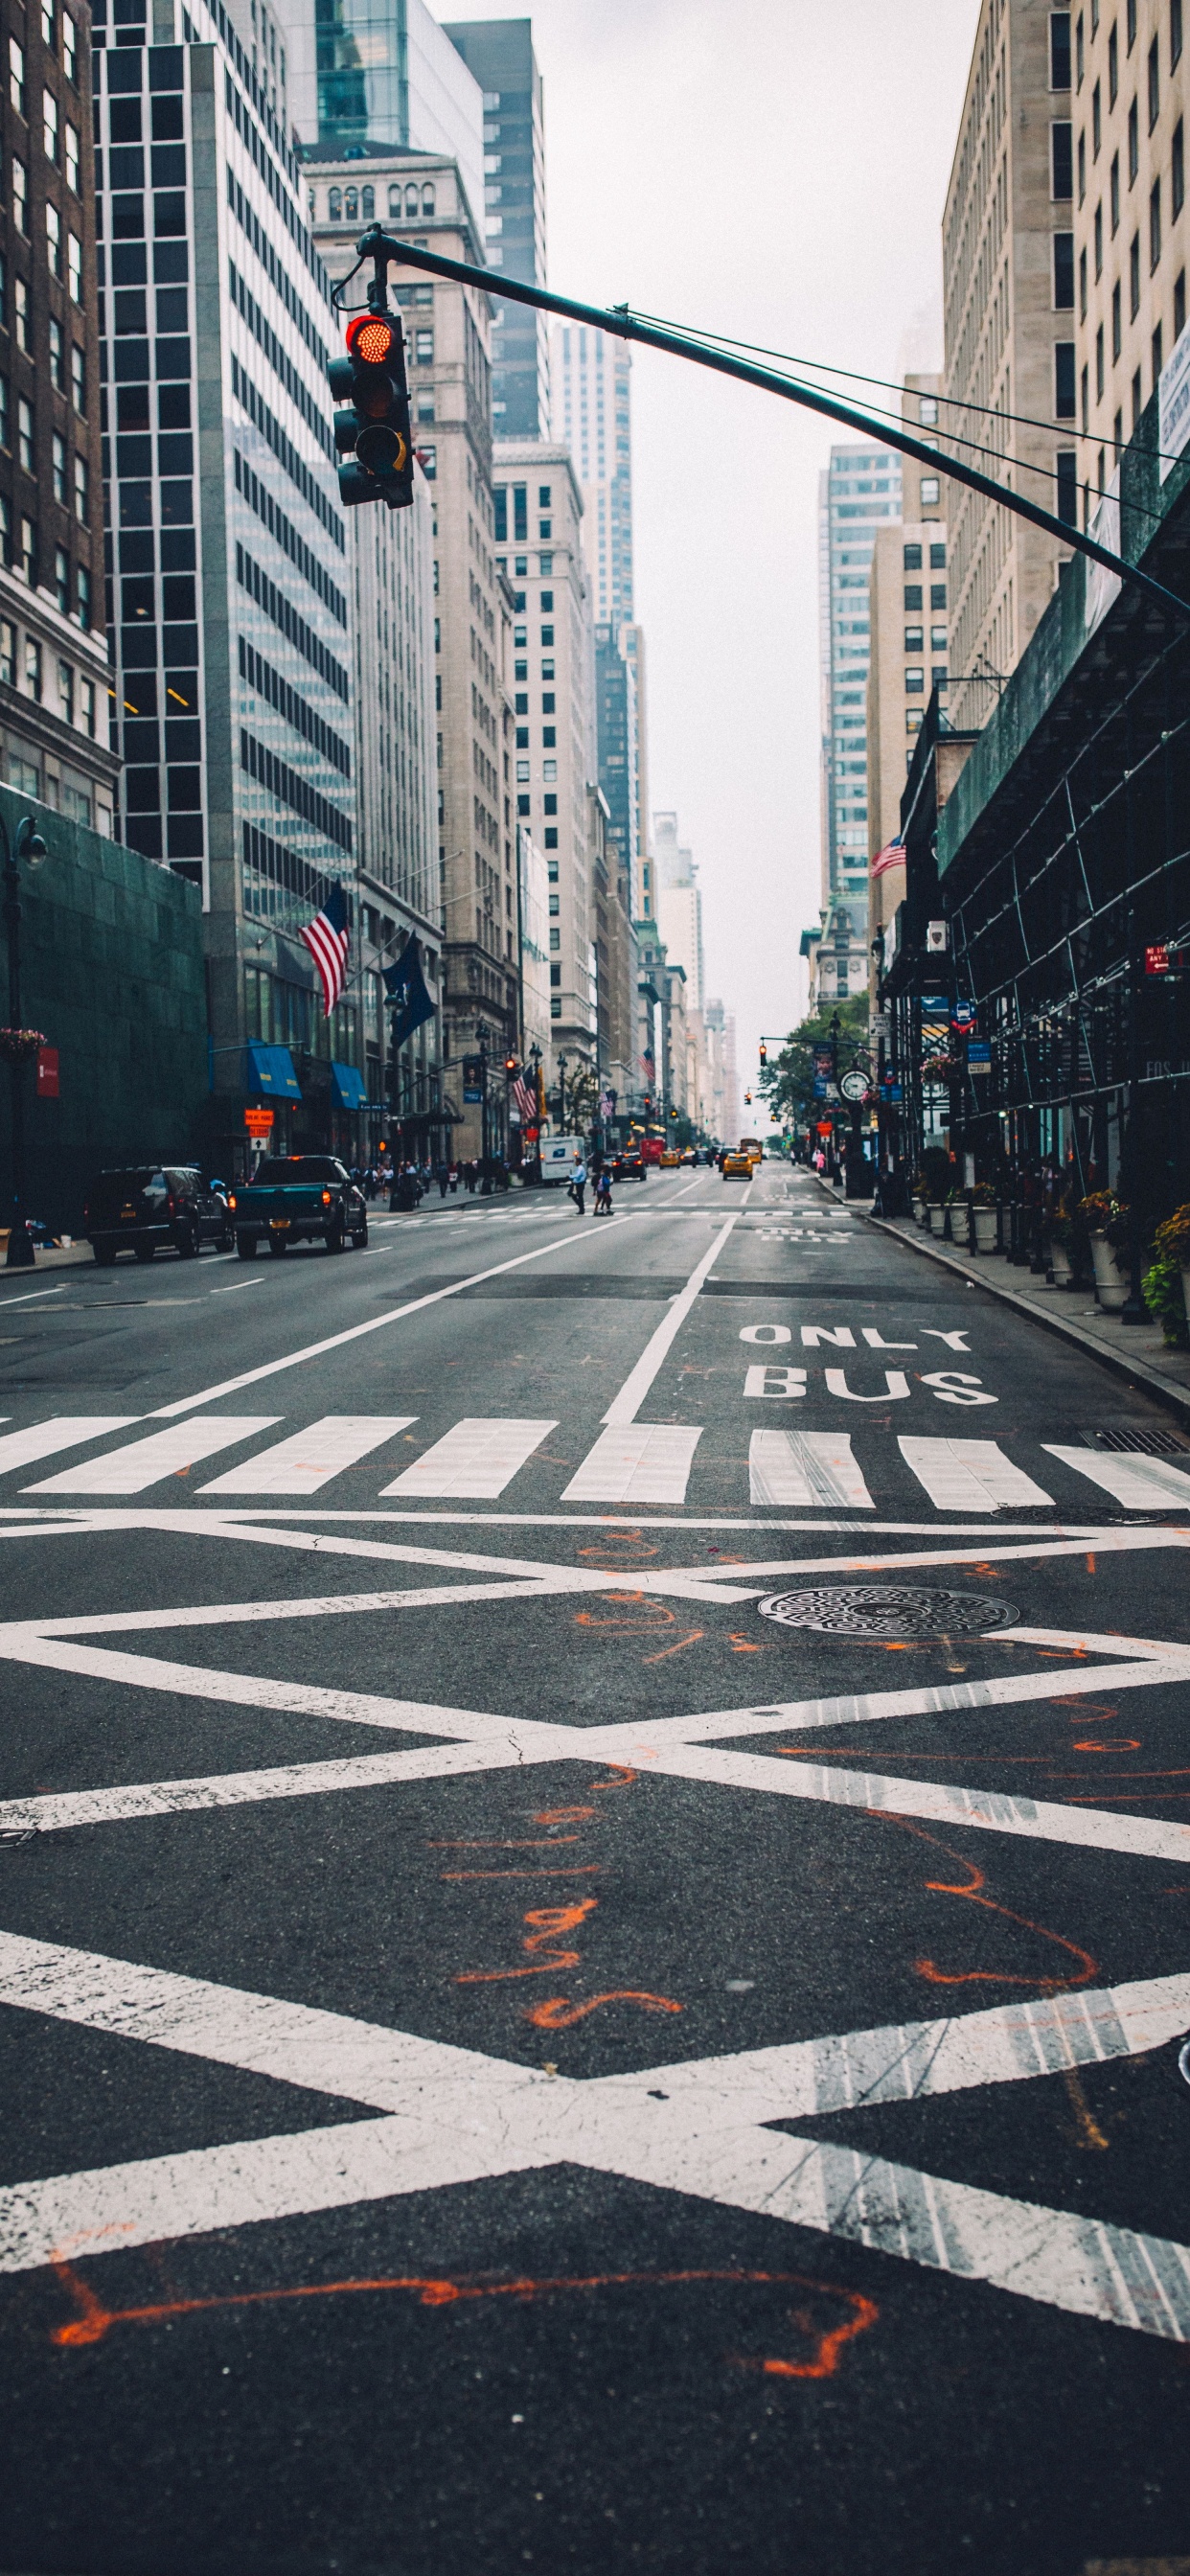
<point>373,432</point>
<point>510,1066</point>
<point>764,1053</point>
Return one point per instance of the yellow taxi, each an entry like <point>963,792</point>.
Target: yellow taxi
<point>737,1163</point>
<point>670,1160</point>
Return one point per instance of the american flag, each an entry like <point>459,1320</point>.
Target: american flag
<point>525,1096</point>
<point>326,938</point>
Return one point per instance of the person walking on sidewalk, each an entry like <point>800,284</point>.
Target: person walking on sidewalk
<point>603,1193</point>
<point>578,1184</point>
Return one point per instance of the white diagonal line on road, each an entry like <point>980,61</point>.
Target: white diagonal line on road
<point>310,1458</point>
<point>477,1457</point>
<point>164,1453</point>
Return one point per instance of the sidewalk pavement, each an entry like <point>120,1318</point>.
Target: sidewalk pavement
<point>50,1257</point>
<point>1134,1351</point>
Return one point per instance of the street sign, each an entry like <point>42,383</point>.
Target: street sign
<point>854,1085</point>
<point>47,1073</point>
<point>979,1056</point>
<point>259,1122</point>
<point>473,1072</point>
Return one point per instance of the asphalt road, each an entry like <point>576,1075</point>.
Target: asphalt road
<point>594,1934</point>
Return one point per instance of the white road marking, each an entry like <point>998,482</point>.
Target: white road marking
<point>31,1297</point>
<point>65,1431</point>
<point>1140,1483</point>
<point>164,1453</point>
<point>234,1288</point>
<point>310,1458</point>
<point>642,1462</point>
<point>374,1324</point>
<point>476,1459</point>
<point>969,1475</point>
<point>805,1467</point>
<point>451,2115</point>
<point>626,1405</point>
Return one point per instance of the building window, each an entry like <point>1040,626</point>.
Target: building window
<point>72,158</point>
<point>411,201</point>
<point>55,337</point>
<point>1066,463</point>
<point>1063,272</point>
<point>8,653</point>
<point>62,579</point>
<point>32,668</point>
<point>1118,434</point>
<point>78,380</point>
<point>1137,403</point>
<point>81,491</point>
<point>83,587</point>
<point>16,75</point>
<point>937,595</point>
<point>912,596</point>
<point>53,239</point>
<point>1082,286</point>
<point>1096,122</point>
<point>427,200</point>
<point>66,692</point>
<point>1113,68</point>
<point>74,267</point>
<point>25,435</point>
<point>70,47</point>
<point>1134,277</point>
<point>1133,142</point>
<point>1086,401</point>
<point>912,555</point>
<point>1177,171</point>
<point>1157,356</point>
<point>334,205</point>
<point>1061,178</point>
<point>927,411</point>
<point>20,195</point>
<point>1059,49</point>
<point>1175,33</point>
<point>1114,192</point>
<point>423,348</point>
<point>49,125</point>
<point>937,564</point>
<point>1130,22</point>
<point>1116,325</point>
<point>930,488</point>
<point>1154,84</point>
<point>913,719</point>
<point>914,681</point>
<point>1098,229</point>
<point>4,424</point>
<point>1099,364</point>
<point>1064,380</point>
<point>58,464</point>
<point>351,205</point>
<point>1154,224</point>
<point>1179,304</point>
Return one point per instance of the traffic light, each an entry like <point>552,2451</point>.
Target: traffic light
<point>764,1053</point>
<point>374,432</point>
<point>510,1066</point>
<point>747,1100</point>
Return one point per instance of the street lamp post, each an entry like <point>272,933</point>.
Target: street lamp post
<point>562,1095</point>
<point>30,846</point>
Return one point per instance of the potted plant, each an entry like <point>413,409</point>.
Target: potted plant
<point>17,1045</point>
<point>1106,1224</point>
<point>937,1172</point>
<point>1166,1286</point>
<point>984,1214</point>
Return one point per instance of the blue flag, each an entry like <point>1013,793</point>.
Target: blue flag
<point>407,993</point>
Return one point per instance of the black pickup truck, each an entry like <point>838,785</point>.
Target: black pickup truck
<point>298,1198</point>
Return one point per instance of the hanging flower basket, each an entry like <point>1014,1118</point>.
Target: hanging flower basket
<point>941,1068</point>
<point>17,1045</point>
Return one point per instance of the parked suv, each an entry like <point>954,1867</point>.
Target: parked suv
<point>142,1206</point>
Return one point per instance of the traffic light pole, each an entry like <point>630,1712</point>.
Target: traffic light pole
<point>385,250</point>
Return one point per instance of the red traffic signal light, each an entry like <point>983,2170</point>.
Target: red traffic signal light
<point>510,1065</point>
<point>375,431</point>
<point>764,1053</point>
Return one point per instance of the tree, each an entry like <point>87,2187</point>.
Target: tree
<point>787,1081</point>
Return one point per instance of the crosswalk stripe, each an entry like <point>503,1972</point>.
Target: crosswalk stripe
<point>805,1467</point>
<point>970,1475</point>
<point>637,1462</point>
<point>1141,1484</point>
<point>310,1458</point>
<point>164,1453</point>
<point>476,1459</point>
<point>65,1431</point>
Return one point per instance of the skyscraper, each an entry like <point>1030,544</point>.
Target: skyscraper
<point>499,54</point>
<point>679,905</point>
<point>591,378</point>
<point>368,74</point>
<point>861,491</point>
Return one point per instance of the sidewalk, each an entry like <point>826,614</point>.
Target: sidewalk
<point>53,1257</point>
<point>1134,1351</point>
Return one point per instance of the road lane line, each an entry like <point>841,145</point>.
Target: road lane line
<point>1140,1483</point>
<point>627,1403</point>
<point>310,1458</point>
<point>476,1458</point>
<point>971,1475</point>
<point>374,1324</point>
<point>642,1462</point>
<point>165,1453</point>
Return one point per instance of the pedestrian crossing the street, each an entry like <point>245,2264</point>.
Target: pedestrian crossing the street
<point>478,1458</point>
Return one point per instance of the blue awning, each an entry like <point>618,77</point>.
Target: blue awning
<point>270,1071</point>
<point>350,1086</point>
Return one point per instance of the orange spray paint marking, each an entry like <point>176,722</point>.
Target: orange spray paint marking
<point>493,1842</point>
<point>1089,2132</point>
<point>622,1777</point>
<point>93,2321</point>
<point>558,2013</point>
<point>550,1922</point>
<point>973,1894</point>
<point>583,1869</point>
<point>741,1645</point>
<point>562,1816</point>
<point>1090,1563</point>
<point>691,1640</point>
<point>1106,1744</point>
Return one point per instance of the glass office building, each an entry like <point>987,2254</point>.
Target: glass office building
<point>861,490</point>
<point>499,53</point>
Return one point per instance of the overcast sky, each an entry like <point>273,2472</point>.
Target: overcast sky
<point>776,170</point>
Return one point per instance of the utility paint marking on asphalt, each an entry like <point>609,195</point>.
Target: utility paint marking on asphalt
<point>972,1475</point>
<point>626,1405</point>
<point>477,1458</point>
<point>310,1458</point>
<point>453,2116</point>
<point>373,1324</point>
<point>1140,1483</point>
<point>806,1467</point>
<point>164,1453</point>
<point>65,1431</point>
<point>641,1462</point>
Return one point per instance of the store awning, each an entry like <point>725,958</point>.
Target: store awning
<point>270,1071</point>
<point>351,1090</point>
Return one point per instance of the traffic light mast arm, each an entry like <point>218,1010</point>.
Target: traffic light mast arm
<point>384,247</point>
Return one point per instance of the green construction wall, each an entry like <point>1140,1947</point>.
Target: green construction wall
<point>112,973</point>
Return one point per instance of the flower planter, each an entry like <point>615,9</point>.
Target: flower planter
<point>985,1229</point>
<point>919,1211</point>
<point>1061,1265</point>
<point>1111,1287</point>
<point>937,1218</point>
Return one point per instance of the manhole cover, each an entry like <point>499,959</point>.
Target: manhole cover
<point>887,1610</point>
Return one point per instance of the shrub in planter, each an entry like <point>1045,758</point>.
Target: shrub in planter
<point>1166,1286</point>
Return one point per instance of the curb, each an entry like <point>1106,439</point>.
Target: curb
<point>1135,1371</point>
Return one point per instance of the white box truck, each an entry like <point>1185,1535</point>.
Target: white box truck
<point>558,1155</point>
